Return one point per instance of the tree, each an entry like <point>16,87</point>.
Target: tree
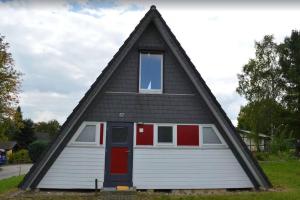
<point>36,149</point>
<point>261,78</point>
<point>11,127</point>
<point>7,129</point>
<point>51,127</point>
<point>255,117</point>
<point>26,134</point>
<point>289,60</point>
<point>3,136</point>
<point>9,81</point>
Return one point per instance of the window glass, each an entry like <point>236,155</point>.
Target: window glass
<point>119,134</point>
<point>210,136</point>
<point>150,72</point>
<point>165,134</point>
<point>88,134</point>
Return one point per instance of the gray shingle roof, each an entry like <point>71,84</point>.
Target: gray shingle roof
<point>8,145</point>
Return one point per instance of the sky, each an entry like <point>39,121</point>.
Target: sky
<point>61,47</point>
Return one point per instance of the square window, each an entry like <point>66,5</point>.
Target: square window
<point>150,73</point>
<point>210,136</point>
<point>165,134</point>
<point>119,135</point>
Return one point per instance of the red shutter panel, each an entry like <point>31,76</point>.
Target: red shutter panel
<point>187,135</point>
<point>101,132</point>
<point>144,134</point>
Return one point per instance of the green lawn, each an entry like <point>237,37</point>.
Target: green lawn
<point>284,175</point>
<point>10,184</point>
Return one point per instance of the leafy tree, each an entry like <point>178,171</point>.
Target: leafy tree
<point>7,130</point>
<point>255,116</point>
<point>261,81</point>
<point>51,127</point>
<point>36,148</point>
<point>261,78</point>
<point>289,60</point>
<point>11,127</point>
<point>26,134</point>
<point>9,81</point>
<point>3,136</point>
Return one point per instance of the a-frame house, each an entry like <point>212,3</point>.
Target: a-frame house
<point>149,121</point>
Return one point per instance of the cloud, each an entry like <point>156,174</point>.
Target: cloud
<point>44,106</point>
<point>61,52</point>
<point>62,47</point>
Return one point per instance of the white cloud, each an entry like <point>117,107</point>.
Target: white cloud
<point>44,106</point>
<point>61,52</point>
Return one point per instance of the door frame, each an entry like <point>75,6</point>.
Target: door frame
<point>108,182</point>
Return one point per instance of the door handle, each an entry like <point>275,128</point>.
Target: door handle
<point>128,151</point>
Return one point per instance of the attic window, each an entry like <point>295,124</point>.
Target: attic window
<point>211,136</point>
<point>89,133</point>
<point>151,66</point>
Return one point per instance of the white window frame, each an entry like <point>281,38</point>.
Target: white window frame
<point>167,144</point>
<point>73,141</point>
<point>223,143</point>
<point>151,91</point>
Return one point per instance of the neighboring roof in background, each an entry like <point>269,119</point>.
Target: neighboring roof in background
<point>42,136</point>
<point>251,133</point>
<point>8,145</point>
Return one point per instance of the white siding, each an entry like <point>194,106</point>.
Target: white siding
<point>76,167</point>
<point>183,168</point>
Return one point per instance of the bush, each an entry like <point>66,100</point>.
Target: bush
<point>36,148</point>
<point>262,156</point>
<point>281,142</point>
<point>20,156</point>
<point>279,156</point>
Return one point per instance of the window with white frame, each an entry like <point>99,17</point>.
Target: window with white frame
<point>151,73</point>
<point>210,136</point>
<point>165,134</point>
<point>87,134</point>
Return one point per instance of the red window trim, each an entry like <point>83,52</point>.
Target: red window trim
<point>101,133</point>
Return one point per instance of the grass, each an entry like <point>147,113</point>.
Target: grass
<point>284,175</point>
<point>10,184</point>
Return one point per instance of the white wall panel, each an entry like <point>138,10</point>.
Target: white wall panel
<point>76,167</point>
<point>171,168</point>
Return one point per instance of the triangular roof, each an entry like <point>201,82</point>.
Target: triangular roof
<point>235,142</point>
